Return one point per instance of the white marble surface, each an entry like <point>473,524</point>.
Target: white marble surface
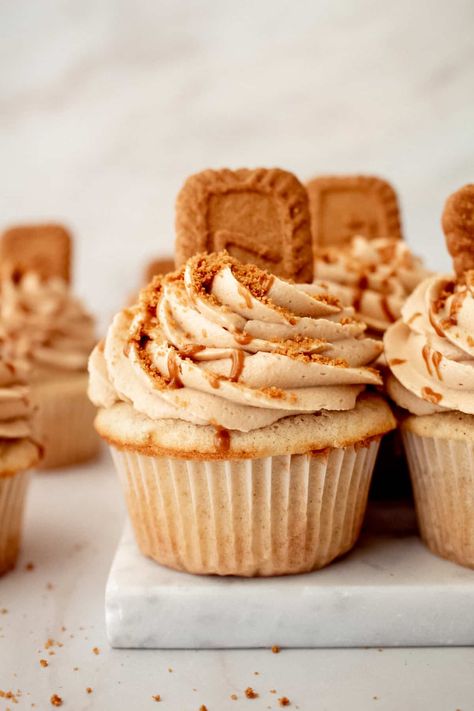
<point>73,524</point>
<point>105,107</point>
<point>389,591</point>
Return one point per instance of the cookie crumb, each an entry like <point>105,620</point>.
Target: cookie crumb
<point>250,693</point>
<point>56,700</point>
<point>29,566</point>
<point>170,669</point>
<point>96,650</point>
<point>89,689</point>
<point>276,649</point>
<point>156,697</point>
<point>3,611</point>
<point>273,691</point>
<point>284,701</point>
<point>44,662</point>
<point>234,697</point>
<point>203,708</point>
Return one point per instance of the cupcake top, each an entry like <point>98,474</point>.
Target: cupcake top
<point>374,276</point>
<point>43,326</point>
<point>430,350</point>
<point>14,403</point>
<point>230,345</point>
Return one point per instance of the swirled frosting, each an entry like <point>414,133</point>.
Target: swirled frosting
<point>14,403</point>
<point>430,350</point>
<point>43,326</point>
<point>374,276</point>
<point>227,344</point>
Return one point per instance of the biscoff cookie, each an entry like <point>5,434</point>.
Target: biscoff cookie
<point>44,249</point>
<point>158,266</point>
<point>458,227</point>
<point>347,205</point>
<point>259,216</point>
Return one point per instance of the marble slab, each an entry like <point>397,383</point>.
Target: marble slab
<point>389,591</point>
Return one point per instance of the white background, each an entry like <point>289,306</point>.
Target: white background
<point>106,106</point>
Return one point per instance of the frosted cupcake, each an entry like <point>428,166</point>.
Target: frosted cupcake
<point>236,408</point>
<point>18,453</point>
<point>430,351</point>
<point>49,332</point>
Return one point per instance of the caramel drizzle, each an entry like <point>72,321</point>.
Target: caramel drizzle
<point>243,339</point>
<point>436,359</point>
<point>386,309</point>
<point>245,295</point>
<point>425,352</point>
<point>214,380</point>
<point>413,317</point>
<point>190,350</point>
<point>174,374</point>
<point>437,329</point>
<point>222,439</point>
<point>238,358</point>
<point>357,300</point>
<point>431,395</point>
<point>396,361</point>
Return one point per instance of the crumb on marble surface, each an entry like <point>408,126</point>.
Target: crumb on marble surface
<point>276,649</point>
<point>95,650</point>
<point>44,663</point>
<point>250,693</point>
<point>156,697</point>
<point>56,700</point>
<point>30,566</point>
<point>89,689</point>
<point>284,701</point>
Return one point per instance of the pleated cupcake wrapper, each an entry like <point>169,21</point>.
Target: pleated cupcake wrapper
<point>442,473</point>
<point>64,426</point>
<point>12,499</point>
<point>268,516</point>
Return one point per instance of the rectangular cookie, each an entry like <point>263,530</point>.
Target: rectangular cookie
<point>348,205</point>
<point>259,216</point>
<point>44,249</point>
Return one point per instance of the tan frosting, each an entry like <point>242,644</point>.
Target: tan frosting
<point>375,276</point>
<point>14,402</point>
<point>430,351</point>
<point>43,326</point>
<point>226,344</point>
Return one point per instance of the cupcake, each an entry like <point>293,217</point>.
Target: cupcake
<point>238,411</point>
<point>47,330</point>
<point>430,352</point>
<point>18,453</point>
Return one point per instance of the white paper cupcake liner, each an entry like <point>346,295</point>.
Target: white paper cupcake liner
<point>12,499</point>
<point>63,424</point>
<point>442,473</point>
<point>269,516</point>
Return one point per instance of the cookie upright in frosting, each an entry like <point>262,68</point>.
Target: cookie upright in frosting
<point>343,206</point>
<point>259,216</point>
<point>44,249</point>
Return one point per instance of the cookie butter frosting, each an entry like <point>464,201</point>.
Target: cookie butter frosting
<point>14,403</point>
<point>374,276</point>
<point>227,344</point>
<point>43,326</point>
<point>430,351</point>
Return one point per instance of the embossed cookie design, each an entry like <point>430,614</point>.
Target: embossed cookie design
<point>45,249</point>
<point>344,206</point>
<point>259,216</point>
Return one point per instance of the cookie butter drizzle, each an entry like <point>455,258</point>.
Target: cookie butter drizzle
<point>222,439</point>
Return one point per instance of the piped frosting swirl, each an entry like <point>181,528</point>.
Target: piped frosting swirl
<point>374,276</point>
<point>43,326</point>
<point>230,345</point>
<point>430,351</point>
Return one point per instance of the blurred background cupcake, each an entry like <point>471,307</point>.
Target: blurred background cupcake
<point>18,453</point>
<point>430,352</point>
<point>47,329</point>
